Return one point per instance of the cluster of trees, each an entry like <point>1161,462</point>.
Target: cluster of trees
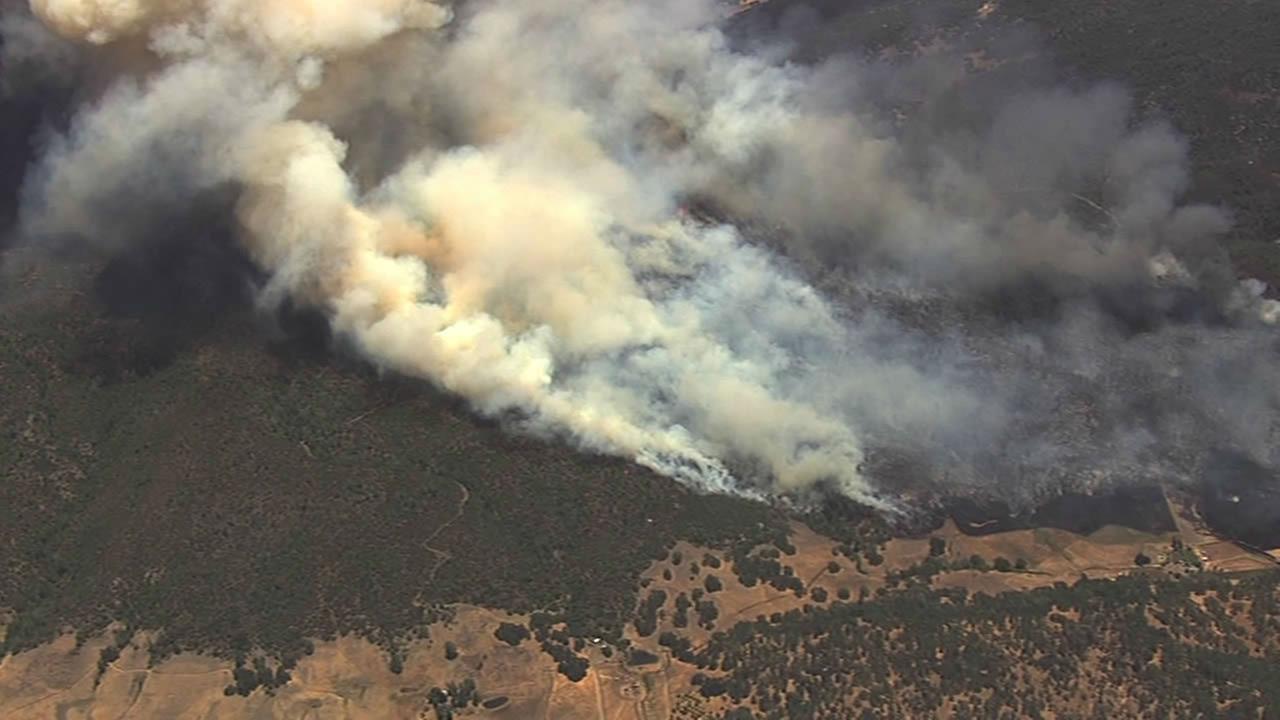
<point>680,646</point>
<point>511,633</point>
<point>681,617</point>
<point>455,696</point>
<point>1212,650</point>
<point>707,614</point>
<point>229,565</point>
<point>556,640</point>
<point>755,565</point>
<point>111,652</point>
<point>923,572</point>
<point>646,618</point>
<point>649,611</point>
<point>260,675</point>
<point>568,663</point>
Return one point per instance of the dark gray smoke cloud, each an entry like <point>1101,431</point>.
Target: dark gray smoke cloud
<point>752,275</point>
<point>37,69</point>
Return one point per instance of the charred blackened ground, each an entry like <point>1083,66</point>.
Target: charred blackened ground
<point>1241,500</point>
<point>1140,508</point>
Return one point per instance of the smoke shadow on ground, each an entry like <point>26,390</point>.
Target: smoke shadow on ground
<point>300,335</point>
<point>159,295</point>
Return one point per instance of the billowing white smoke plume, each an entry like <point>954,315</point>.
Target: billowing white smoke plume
<point>502,202</point>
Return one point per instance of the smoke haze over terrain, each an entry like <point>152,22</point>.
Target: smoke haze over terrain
<point>607,222</point>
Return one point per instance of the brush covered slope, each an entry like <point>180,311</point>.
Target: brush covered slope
<point>229,485</point>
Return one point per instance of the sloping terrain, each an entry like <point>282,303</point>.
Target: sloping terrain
<point>184,475</point>
<point>1211,69</point>
<point>239,496</point>
<point>941,626</point>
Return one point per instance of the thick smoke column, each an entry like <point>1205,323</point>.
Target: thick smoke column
<point>506,202</point>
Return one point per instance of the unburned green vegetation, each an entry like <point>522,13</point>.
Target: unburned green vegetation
<point>1135,647</point>
<point>240,496</point>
